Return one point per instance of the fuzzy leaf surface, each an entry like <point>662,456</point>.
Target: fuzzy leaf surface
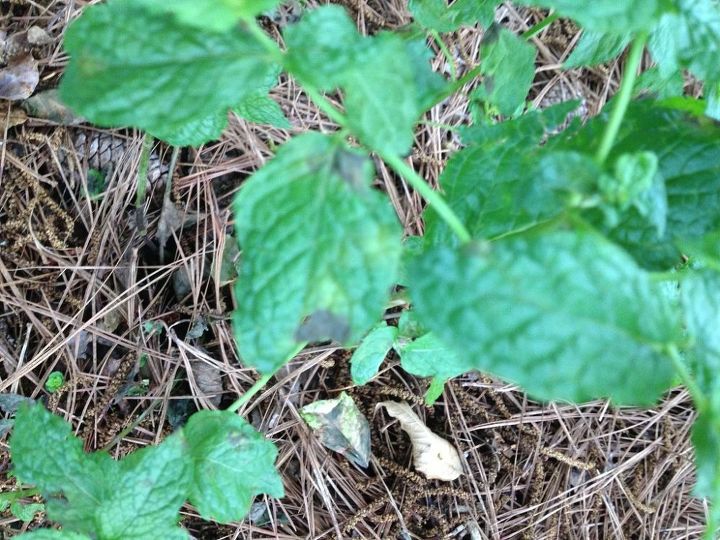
<point>233,464</point>
<point>52,534</point>
<point>608,16</point>
<point>700,294</point>
<point>558,313</point>
<point>596,48</point>
<point>173,76</point>
<point>383,77</point>
<point>688,153</point>
<point>427,356</point>
<point>508,68</point>
<point>215,15</point>
<point>321,250</point>
<point>437,15</point>
<point>689,37</point>
<point>321,47</point>
<point>138,497</point>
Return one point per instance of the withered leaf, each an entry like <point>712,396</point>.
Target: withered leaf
<point>340,426</point>
<point>433,456</point>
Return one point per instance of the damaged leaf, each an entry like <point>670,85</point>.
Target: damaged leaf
<point>433,456</point>
<point>340,426</point>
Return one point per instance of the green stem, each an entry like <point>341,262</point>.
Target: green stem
<point>701,401</point>
<point>539,27</point>
<point>445,51</point>
<point>266,41</point>
<point>143,167</point>
<point>142,181</point>
<point>623,98</point>
<point>433,198</point>
<point>248,395</point>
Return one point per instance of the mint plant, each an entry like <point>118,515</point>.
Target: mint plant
<point>582,264</point>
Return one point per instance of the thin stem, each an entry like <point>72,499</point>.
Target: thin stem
<point>445,51</point>
<point>697,394</point>
<point>248,395</point>
<point>539,27</point>
<point>433,198</point>
<point>266,41</point>
<point>142,181</point>
<point>623,98</point>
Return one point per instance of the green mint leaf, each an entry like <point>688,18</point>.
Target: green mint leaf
<point>93,494</point>
<point>381,99</point>
<point>558,313</point>
<point>434,391</point>
<point>321,251</point>
<point>409,327</point>
<point>634,174</point>
<point>496,190</point>
<point>54,465</point>
<point>215,15</point>
<point>525,131</point>
<point>144,499</point>
<point>232,464</point>
<point>193,132</point>
<point>431,86</point>
<point>689,37</point>
<point>688,153</point>
<point>437,15</point>
<point>596,48</point>
<point>379,75</point>
<point>427,356</point>
<point>705,249</point>
<point>608,16</point>
<point>177,82</point>
<point>261,109</point>
<point>373,349</point>
<point>321,47</point>
<point>51,534</point>
<point>26,512</point>
<point>700,293</point>
<point>660,86</point>
<point>508,68</point>
<point>706,443</point>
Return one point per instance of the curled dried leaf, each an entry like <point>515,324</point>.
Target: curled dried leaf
<point>433,456</point>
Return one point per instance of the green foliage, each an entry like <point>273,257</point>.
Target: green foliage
<point>51,534</point>
<point>377,73</point>
<point>535,266</point>
<point>609,16</point>
<point>321,251</point>
<point>54,381</point>
<point>367,358</point>
<point>177,82</point>
<point>232,464</point>
<point>508,68</point>
<point>140,496</point>
<point>220,15</point>
<point>596,48</point>
<point>567,308</point>
<point>437,15</point>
